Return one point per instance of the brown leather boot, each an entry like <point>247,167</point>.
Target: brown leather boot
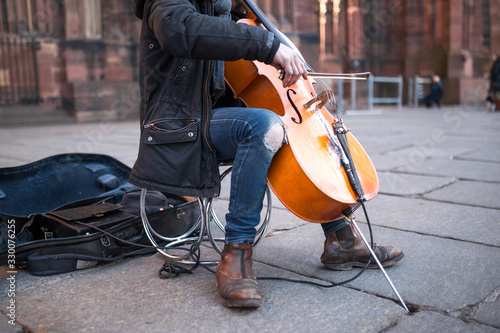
<point>236,283</point>
<point>344,249</point>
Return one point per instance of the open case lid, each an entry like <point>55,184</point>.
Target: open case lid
<point>54,181</point>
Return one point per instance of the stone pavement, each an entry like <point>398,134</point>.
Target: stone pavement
<point>439,171</point>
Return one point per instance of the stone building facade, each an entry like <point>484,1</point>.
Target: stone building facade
<point>81,56</point>
<point>454,39</point>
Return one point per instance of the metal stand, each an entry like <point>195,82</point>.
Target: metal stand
<point>352,176</point>
<point>207,213</point>
<point>379,264</point>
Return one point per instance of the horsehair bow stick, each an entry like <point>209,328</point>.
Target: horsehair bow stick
<point>345,76</point>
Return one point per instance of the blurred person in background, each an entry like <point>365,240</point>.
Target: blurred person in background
<point>493,98</point>
<point>436,93</point>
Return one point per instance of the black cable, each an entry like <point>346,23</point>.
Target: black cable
<point>338,283</point>
<point>172,269</point>
<point>169,269</point>
<point>117,238</point>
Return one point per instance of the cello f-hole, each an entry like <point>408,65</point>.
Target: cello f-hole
<point>294,107</point>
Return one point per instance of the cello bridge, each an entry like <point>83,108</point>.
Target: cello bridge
<point>321,99</point>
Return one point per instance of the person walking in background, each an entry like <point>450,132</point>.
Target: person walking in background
<point>435,94</point>
<point>493,98</point>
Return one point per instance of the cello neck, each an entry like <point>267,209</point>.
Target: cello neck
<point>259,14</point>
<point>251,7</point>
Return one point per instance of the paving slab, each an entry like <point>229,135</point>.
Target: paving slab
<point>404,184</point>
<point>29,153</point>
<point>475,135</point>
<point>435,272</point>
<point>386,162</point>
<point>446,220</point>
<point>7,325</point>
<point>473,193</point>
<point>130,297</point>
<point>488,311</point>
<point>467,170</point>
<point>439,176</point>
<point>426,322</point>
<point>418,152</point>
<point>416,156</point>
<point>484,155</point>
<point>375,143</point>
<point>74,136</point>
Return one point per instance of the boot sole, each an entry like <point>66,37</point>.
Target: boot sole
<point>242,303</point>
<point>373,264</point>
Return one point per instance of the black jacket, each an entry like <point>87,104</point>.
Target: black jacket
<point>179,39</point>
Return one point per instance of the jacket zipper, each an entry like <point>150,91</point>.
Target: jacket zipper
<point>154,122</point>
<point>207,92</point>
<point>209,113</point>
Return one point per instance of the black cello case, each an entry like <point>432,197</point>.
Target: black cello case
<point>51,211</point>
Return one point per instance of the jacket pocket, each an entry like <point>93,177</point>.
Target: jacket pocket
<point>171,131</point>
<point>171,157</point>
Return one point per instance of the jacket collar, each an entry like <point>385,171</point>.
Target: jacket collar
<point>138,7</point>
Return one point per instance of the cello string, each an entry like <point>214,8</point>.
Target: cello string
<point>257,12</point>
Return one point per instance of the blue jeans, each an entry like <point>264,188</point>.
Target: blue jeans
<point>250,137</point>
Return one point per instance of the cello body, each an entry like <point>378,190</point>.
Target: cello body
<point>306,174</point>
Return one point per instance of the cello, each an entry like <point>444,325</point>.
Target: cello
<point>308,174</point>
<point>321,173</point>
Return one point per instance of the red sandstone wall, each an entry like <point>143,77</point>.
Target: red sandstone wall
<point>386,37</point>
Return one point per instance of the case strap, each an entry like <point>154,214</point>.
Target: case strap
<point>63,263</point>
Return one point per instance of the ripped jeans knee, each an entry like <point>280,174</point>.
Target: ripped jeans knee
<point>274,137</point>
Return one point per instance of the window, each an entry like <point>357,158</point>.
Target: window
<point>92,19</point>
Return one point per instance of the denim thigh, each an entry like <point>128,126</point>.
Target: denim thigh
<point>250,137</point>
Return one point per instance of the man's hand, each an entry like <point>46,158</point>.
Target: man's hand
<point>289,62</point>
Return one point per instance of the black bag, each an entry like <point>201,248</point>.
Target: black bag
<point>51,212</point>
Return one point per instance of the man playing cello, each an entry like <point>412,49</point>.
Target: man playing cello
<point>187,127</point>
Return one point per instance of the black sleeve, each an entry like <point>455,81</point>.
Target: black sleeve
<point>184,32</point>
<point>274,49</point>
